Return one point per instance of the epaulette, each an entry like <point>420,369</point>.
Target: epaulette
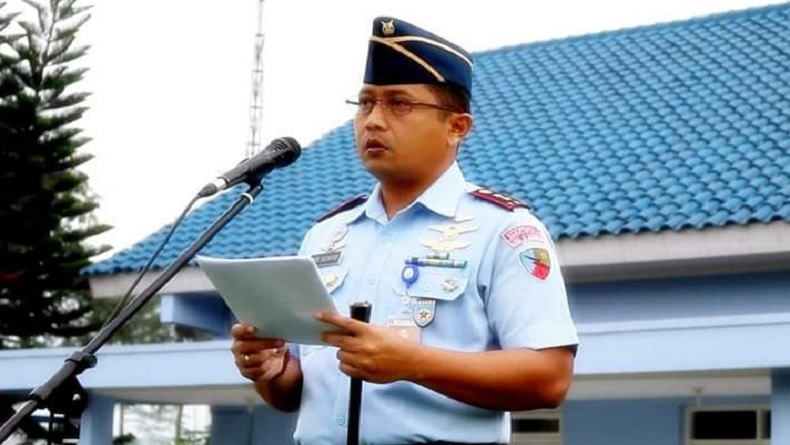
<point>343,206</point>
<point>502,200</point>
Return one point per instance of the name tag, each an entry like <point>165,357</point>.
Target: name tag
<point>405,327</point>
<point>327,259</point>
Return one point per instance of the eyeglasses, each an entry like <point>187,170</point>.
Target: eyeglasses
<point>396,107</point>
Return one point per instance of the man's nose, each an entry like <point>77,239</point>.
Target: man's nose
<point>377,118</point>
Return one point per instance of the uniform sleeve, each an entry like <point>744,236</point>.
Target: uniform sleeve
<point>525,296</point>
<point>304,247</point>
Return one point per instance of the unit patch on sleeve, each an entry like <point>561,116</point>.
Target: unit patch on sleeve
<point>518,235</point>
<point>536,262</point>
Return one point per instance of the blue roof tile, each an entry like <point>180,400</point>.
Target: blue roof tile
<point>666,127</point>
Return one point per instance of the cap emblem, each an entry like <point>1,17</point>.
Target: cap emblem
<point>388,28</point>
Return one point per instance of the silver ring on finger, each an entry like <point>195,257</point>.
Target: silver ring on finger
<point>246,359</point>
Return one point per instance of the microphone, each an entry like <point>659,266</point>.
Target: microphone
<point>281,152</point>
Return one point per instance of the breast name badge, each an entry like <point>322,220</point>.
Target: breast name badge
<point>327,258</point>
<point>420,311</point>
<point>423,311</point>
<point>444,245</point>
<point>450,236</point>
<point>405,327</point>
<point>332,281</point>
<point>450,285</point>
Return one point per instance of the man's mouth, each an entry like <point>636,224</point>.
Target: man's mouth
<point>374,144</point>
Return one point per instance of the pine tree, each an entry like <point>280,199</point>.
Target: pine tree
<point>45,203</point>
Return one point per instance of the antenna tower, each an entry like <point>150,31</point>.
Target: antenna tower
<point>254,143</point>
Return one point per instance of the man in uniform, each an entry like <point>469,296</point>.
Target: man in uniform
<point>470,317</point>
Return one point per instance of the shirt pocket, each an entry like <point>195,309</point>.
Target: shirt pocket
<point>437,283</point>
<point>333,278</point>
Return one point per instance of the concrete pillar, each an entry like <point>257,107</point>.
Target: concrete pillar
<point>231,425</point>
<point>97,421</point>
<point>261,425</point>
<point>780,406</point>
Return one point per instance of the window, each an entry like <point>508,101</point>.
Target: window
<point>743,425</point>
<point>542,427</point>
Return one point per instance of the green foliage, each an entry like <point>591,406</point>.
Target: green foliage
<point>125,439</point>
<point>162,424</point>
<point>194,438</point>
<point>45,204</point>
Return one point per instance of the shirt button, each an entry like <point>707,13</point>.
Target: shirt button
<point>387,239</point>
<point>340,420</point>
<point>372,280</point>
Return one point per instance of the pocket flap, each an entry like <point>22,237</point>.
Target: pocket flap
<point>333,277</point>
<point>436,283</point>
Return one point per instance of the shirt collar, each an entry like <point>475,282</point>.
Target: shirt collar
<point>441,197</point>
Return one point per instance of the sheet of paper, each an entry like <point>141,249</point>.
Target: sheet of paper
<point>277,295</point>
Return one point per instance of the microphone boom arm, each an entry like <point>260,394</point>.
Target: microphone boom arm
<point>81,360</point>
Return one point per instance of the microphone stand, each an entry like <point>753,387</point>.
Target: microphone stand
<point>63,386</point>
<point>359,311</point>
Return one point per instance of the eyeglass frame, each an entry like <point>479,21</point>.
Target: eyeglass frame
<point>387,105</point>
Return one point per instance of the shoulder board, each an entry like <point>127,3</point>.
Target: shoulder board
<point>343,206</point>
<point>502,200</point>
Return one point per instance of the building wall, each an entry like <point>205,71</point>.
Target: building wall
<point>614,422</point>
<point>587,422</point>
<point>605,422</point>
<point>637,421</point>
<point>261,425</point>
<point>708,296</point>
<point>639,300</point>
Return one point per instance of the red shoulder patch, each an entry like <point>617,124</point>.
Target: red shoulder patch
<point>343,206</point>
<point>502,200</point>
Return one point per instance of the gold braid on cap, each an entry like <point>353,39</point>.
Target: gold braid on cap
<point>441,45</point>
<point>409,54</point>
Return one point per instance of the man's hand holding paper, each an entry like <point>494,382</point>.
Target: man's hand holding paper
<point>258,359</point>
<point>279,296</point>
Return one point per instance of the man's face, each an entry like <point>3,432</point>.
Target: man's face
<point>411,147</point>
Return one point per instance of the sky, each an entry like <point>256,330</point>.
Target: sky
<point>171,80</point>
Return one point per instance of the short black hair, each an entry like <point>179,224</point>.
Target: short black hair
<point>451,96</point>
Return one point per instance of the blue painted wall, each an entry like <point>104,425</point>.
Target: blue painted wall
<point>262,425</point>
<point>205,311</point>
<point>97,421</point>
<point>719,295</point>
<point>674,298</point>
<point>626,422</point>
<point>587,422</point>
<point>630,422</point>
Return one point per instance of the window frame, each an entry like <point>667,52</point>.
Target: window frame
<point>761,410</point>
<point>517,438</point>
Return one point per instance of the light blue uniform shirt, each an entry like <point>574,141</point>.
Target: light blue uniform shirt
<point>510,294</point>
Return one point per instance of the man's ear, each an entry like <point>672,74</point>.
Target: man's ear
<point>460,124</point>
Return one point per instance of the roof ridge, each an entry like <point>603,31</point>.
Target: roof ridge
<point>706,18</point>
